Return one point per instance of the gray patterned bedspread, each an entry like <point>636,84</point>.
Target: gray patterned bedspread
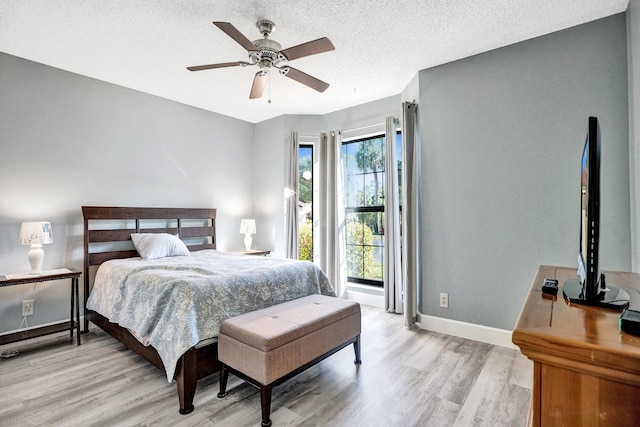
<point>176,302</point>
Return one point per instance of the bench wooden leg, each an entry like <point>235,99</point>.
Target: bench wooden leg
<point>356,349</point>
<point>265,402</point>
<point>224,377</point>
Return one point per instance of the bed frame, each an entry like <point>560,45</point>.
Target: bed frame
<point>115,225</point>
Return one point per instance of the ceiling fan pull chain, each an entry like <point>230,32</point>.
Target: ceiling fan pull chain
<point>269,101</point>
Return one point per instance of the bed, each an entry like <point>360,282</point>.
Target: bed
<point>202,286</point>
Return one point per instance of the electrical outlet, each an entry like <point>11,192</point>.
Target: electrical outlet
<point>27,307</point>
<point>444,300</point>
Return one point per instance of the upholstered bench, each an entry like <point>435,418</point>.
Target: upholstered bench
<point>269,346</point>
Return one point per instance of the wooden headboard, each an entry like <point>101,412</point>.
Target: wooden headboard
<point>107,231</point>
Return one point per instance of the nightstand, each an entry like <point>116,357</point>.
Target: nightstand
<point>262,252</point>
<point>46,276</point>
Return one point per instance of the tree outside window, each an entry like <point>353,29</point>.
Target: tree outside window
<point>305,202</point>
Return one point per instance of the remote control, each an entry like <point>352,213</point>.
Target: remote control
<point>550,286</point>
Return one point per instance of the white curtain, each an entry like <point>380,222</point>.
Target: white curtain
<point>291,199</point>
<point>332,227</point>
<point>393,290</point>
<point>410,217</point>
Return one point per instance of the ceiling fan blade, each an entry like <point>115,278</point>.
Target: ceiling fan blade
<point>304,78</point>
<point>220,65</point>
<point>258,84</point>
<point>236,35</point>
<point>308,48</point>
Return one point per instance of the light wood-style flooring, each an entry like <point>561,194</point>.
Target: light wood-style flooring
<point>407,378</point>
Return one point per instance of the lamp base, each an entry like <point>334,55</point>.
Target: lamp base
<point>247,242</point>
<point>36,257</point>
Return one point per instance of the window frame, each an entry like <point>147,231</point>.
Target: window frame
<point>310,146</point>
<point>378,209</point>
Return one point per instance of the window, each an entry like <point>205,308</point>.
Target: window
<point>364,177</point>
<point>305,202</point>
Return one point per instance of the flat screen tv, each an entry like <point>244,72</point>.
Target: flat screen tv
<point>591,287</point>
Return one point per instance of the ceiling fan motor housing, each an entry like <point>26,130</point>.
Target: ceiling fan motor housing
<point>268,53</point>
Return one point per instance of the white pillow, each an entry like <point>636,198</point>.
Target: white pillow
<point>158,245</point>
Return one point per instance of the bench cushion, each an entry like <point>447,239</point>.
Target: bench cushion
<point>269,343</point>
<point>275,326</point>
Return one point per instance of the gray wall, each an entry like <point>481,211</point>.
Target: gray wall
<point>361,119</point>
<point>502,135</point>
<point>68,141</point>
<point>268,167</point>
<point>633,51</point>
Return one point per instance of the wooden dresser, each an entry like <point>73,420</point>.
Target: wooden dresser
<point>586,372</point>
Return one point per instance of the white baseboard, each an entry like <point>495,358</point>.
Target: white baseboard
<point>365,298</point>
<point>470,331</point>
<point>486,334</point>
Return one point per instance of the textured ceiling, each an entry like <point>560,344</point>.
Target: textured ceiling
<point>380,44</point>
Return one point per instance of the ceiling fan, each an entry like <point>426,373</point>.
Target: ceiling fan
<point>267,53</point>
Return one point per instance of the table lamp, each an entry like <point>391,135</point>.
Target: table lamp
<point>248,227</point>
<point>36,234</point>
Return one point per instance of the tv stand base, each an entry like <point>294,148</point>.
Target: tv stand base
<point>614,297</point>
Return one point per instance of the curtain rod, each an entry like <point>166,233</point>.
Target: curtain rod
<point>363,127</point>
<point>369,126</point>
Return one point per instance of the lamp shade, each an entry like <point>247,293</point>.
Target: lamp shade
<point>39,232</point>
<point>36,234</point>
<point>248,226</point>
